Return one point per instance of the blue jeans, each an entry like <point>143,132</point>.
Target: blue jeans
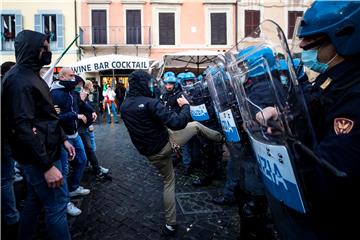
<point>9,213</point>
<point>113,110</point>
<point>80,162</point>
<point>92,139</point>
<point>53,200</point>
<point>232,171</point>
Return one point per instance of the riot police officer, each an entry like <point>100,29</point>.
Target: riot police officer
<point>330,35</point>
<point>330,32</point>
<point>172,91</point>
<point>202,110</point>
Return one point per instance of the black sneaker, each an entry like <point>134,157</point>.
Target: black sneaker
<point>103,176</point>
<point>169,230</point>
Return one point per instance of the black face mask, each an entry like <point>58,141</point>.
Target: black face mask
<point>68,84</point>
<point>45,58</point>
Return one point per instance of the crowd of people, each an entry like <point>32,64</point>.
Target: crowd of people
<point>50,131</point>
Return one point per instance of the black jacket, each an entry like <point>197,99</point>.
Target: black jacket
<point>169,99</point>
<point>146,118</point>
<point>33,128</point>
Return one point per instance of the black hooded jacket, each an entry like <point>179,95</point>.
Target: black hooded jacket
<point>146,118</point>
<point>32,126</point>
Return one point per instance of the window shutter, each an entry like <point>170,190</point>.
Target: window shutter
<point>18,23</point>
<point>60,31</point>
<point>38,23</point>
<point>218,28</point>
<point>252,21</point>
<point>133,27</point>
<point>167,28</point>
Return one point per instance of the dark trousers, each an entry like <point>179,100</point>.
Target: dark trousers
<point>90,153</point>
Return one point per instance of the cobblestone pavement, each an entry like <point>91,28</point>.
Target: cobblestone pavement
<point>131,205</point>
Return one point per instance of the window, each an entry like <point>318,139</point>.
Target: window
<point>49,26</point>
<point>133,27</point>
<point>218,28</point>
<point>252,21</point>
<point>52,24</point>
<point>292,16</point>
<point>99,27</point>
<point>166,28</point>
<point>11,24</point>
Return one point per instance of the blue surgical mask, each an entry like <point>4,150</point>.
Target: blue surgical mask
<point>283,79</point>
<point>309,58</point>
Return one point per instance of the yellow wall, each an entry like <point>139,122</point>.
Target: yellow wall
<point>29,8</point>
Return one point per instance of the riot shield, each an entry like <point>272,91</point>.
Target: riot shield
<point>224,101</point>
<point>201,107</point>
<point>273,110</point>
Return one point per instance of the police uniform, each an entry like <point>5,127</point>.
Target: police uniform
<point>334,108</point>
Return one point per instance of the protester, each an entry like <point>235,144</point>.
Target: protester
<point>30,116</point>
<point>155,131</point>
<point>10,215</point>
<point>66,103</point>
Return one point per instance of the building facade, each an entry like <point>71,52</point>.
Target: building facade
<point>140,28</point>
<point>52,17</point>
<point>152,28</point>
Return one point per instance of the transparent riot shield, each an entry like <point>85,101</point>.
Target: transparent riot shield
<point>238,143</point>
<point>225,103</point>
<point>201,107</point>
<point>273,110</point>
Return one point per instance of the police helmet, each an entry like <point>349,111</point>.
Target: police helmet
<point>299,68</point>
<point>339,20</point>
<point>189,76</point>
<point>181,76</point>
<point>254,55</point>
<point>168,74</point>
<point>170,79</point>
<point>200,77</point>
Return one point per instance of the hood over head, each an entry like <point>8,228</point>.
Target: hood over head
<point>27,48</point>
<point>139,81</point>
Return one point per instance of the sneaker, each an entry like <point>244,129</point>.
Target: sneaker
<point>72,210</point>
<point>103,176</point>
<point>80,191</point>
<point>169,230</point>
<point>104,170</point>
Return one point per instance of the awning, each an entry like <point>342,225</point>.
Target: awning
<point>106,62</point>
<point>190,59</point>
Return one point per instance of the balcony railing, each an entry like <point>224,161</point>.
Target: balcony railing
<point>115,35</point>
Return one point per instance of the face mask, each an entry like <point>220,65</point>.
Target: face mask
<point>77,89</point>
<point>283,79</point>
<point>68,84</point>
<point>45,58</point>
<point>309,58</point>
